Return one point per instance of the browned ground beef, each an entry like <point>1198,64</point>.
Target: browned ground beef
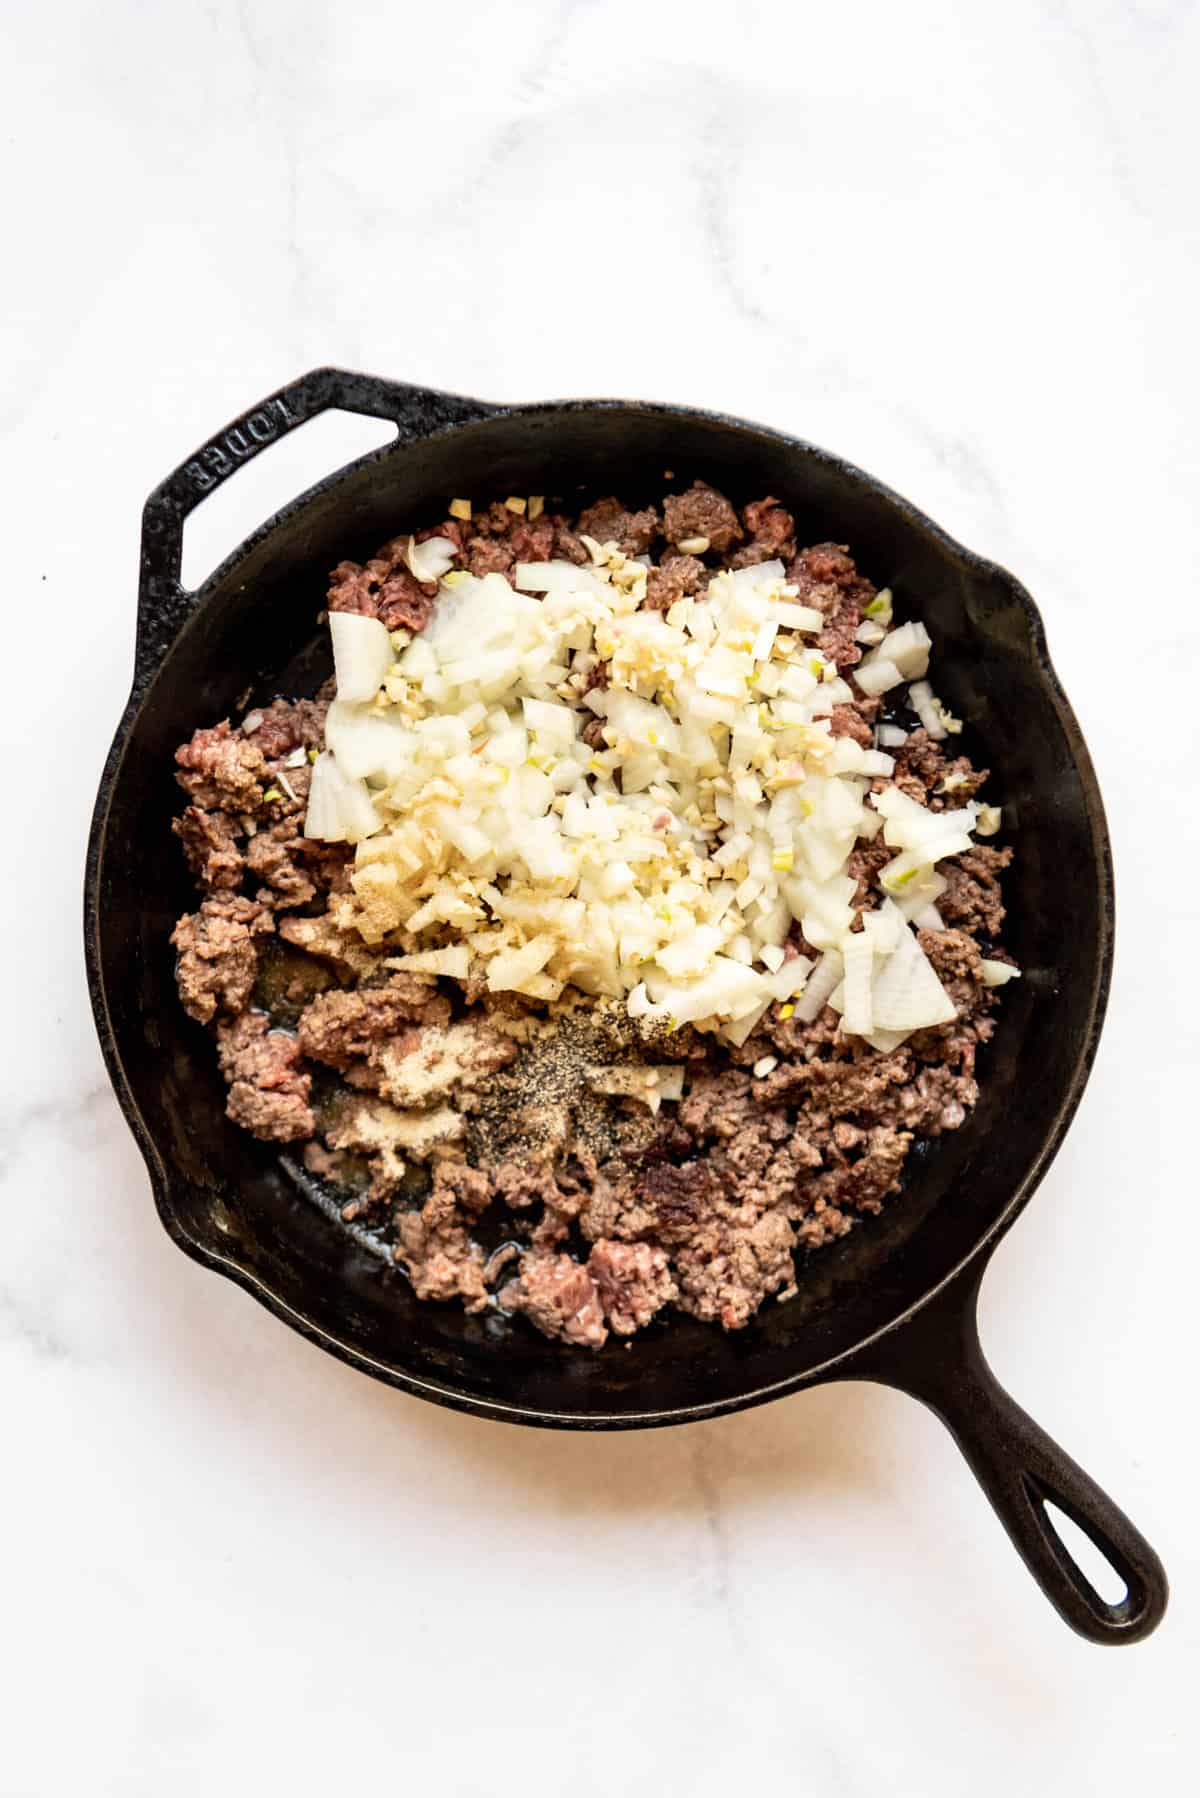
<point>218,955</point>
<point>269,1091</point>
<point>674,578</point>
<point>223,770</point>
<point>701,512</point>
<point>828,579</point>
<point>212,845</point>
<point>383,588</point>
<point>560,1296</point>
<point>505,1186</point>
<point>608,522</point>
<point>344,1027</point>
<point>771,531</point>
<point>633,1281</point>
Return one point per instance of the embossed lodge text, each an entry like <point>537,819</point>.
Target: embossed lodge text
<point>222,455</point>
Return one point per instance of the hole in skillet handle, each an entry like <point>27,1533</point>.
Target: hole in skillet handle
<point>1090,1560</point>
<point>935,1356</point>
<point>228,513</point>
<point>164,603</point>
<point>1027,1476</point>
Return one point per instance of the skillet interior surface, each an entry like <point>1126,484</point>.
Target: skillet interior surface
<point>230,1200</point>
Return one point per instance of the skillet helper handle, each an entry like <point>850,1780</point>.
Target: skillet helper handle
<point>163,602</point>
<point>938,1359</point>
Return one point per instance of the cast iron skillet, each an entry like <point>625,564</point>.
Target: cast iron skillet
<point>894,1302</point>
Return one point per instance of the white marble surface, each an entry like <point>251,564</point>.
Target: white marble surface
<point>952,241</point>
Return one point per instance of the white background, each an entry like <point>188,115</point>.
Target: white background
<point>956,242</point>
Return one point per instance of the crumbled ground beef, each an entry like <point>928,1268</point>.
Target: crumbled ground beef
<point>434,1246</point>
<point>536,540</point>
<point>864,866</point>
<point>926,775</point>
<point>729,1265</point>
<point>321,936</point>
<point>218,955</point>
<point>701,512</point>
<point>938,1099</point>
<point>634,1282</point>
<point>856,1084</point>
<point>674,578</point>
<point>559,1296</point>
<point>223,770</point>
<point>608,1215</point>
<point>282,727</point>
<point>275,857</point>
<point>490,555</point>
<point>771,530</point>
<point>829,569</point>
<point>382,589</point>
<point>855,721</point>
<point>608,522</point>
<point>861,1182</point>
<point>249,803</point>
<point>269,1091</point>
<point>524,1183</point>
<point>340,1028</point>
<point>828,579</point>
<point>211,844</point>
<point>495,540</point>
<point>972,900</point>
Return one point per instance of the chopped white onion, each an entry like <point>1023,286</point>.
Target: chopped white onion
<point>929,918</point>
<point>998,973</point>
<point>556,577</point>
<point>430,560</point>
<point>790,980</point>
<point>858,961</point>
<point>926,835</point>
<point>664,860</point>
<point>633,1081</point>
<point>918,896</point>
<point>798,618</point>
<point>362,655</point>
<point>368,745</point>
<point>907,994</point>
<point>454,962</point>
<point>510,971</point>
<point>908,648</point>
<point>821,982</point>
<point>883,927</point>
<point>878,676</point>
<point>340,810</point>
<point>737,1033</point>
<point>729,989</point>
<point>920,697</point>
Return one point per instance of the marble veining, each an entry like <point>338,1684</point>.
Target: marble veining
<point>957,244</point>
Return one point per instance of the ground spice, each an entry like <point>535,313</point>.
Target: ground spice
<point>542,1104</point>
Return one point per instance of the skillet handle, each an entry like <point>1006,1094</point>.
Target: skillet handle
<point>163,603</point>
<point>937,1358</point>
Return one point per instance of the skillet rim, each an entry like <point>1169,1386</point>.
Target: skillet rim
<point>147,661</point>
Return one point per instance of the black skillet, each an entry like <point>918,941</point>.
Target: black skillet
<point>896,1301</point>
